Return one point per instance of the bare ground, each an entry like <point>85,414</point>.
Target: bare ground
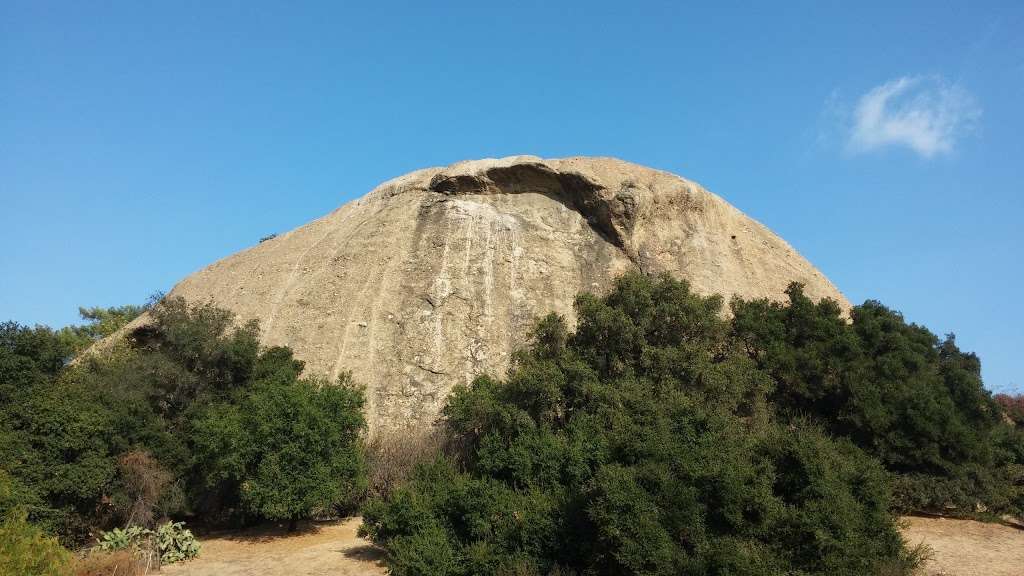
<point>968,548</point>
<point>319,549</point>
<point>960,548</point>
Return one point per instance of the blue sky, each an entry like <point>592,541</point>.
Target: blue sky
<point>141,141</point>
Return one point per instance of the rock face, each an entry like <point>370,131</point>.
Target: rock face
<point>438,275</point>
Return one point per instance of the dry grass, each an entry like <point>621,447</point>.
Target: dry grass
<point>392,455</point>
<point>145,481</point>
<point>119,563</point>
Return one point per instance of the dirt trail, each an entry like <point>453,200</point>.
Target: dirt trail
<point>968,548</point>
<point>321,549</point>
<point>960,547</point>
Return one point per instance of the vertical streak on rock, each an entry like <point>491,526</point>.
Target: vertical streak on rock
<point>290,280</point>
<point>441,289</point>
<point>512,268</point>
<point>354,302</point>
<point>488,274</point>
<point>374,322</point>
<point>467,291</point>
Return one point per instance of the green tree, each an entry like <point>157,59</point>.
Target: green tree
<point>640,444</point>
<point>130,433</point>
<point>913,400</point>
<point>99,323</point>
<point>289,448</point>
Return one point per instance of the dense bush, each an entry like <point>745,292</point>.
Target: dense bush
<point>641,444</point>
<point>1013,407</point>
<point>142,430</point>
<point>25,549</point>
<point>660,437</point>
<point>287,451</point>
<point>914,401</point>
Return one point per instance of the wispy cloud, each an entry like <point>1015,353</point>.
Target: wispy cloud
<point>926,114</point>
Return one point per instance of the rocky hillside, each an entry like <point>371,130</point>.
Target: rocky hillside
<point>437,275</point>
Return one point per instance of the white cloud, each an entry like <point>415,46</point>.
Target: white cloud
<point>926,114</point>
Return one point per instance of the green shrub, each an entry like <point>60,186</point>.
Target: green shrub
<point>641,444</point>
<point>914,401</point>
<point>144,429</point>
<point>171,541</point>
<point>287,450</point>
<point>129,538</point>
<point>176,543</point>
<point>25,550</point>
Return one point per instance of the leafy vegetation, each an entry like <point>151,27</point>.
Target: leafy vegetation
<point>286,451</point>
<point>660,438</point>
<point>27,549</point>
<point>188,417</point>
<point>100,323</point>
<point>130,538</point>
<point>912,400</point>
<point>176,543</point>
<point>171,541</point>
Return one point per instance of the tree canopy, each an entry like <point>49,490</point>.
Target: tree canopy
<point>662,437</point>
<point>188,416</point>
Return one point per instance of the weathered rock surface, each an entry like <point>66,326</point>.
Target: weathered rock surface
<point>436,276</point>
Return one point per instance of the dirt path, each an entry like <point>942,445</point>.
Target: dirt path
<point>321,549</point>
<point>968,548</point>
<point>960,548</point>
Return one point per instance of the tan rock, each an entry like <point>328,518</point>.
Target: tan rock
<point>438,275</point>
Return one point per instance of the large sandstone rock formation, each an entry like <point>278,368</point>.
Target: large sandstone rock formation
<point>436,276</point>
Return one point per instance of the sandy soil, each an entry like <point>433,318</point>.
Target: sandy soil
<point>968,548</point>
<point>319,549</point>
<point>960,548</point>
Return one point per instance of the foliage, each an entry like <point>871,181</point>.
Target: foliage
<point>171,540</point>
<point>642,443</point>
<point>29,357</point>
<point>130,538</point>
<point>26,550</point>
<point>100,323</point>
<point>288,450</point>
<point>130,435</point>
<point>176,543</point>
<point>914,401</point>
<point>1013,407</point>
